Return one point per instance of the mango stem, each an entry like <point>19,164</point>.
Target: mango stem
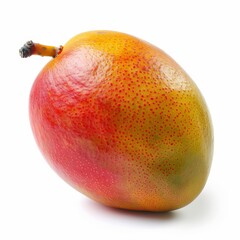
<point>30,48</point>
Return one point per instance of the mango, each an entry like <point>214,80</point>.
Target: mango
<point>120,121</point>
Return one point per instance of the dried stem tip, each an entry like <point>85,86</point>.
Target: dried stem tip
<point>31,48</point>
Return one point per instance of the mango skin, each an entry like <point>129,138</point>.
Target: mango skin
<point>122,122</point>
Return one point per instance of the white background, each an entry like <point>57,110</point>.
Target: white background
<point>202,36</point>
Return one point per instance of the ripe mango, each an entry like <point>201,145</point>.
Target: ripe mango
<point>123,123</point>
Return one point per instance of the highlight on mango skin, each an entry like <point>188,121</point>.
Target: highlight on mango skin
<point>120,121</point>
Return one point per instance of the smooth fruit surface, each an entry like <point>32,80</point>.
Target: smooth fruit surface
<point>123,123</point>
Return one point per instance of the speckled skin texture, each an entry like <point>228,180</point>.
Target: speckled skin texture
<point>122,122</point>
